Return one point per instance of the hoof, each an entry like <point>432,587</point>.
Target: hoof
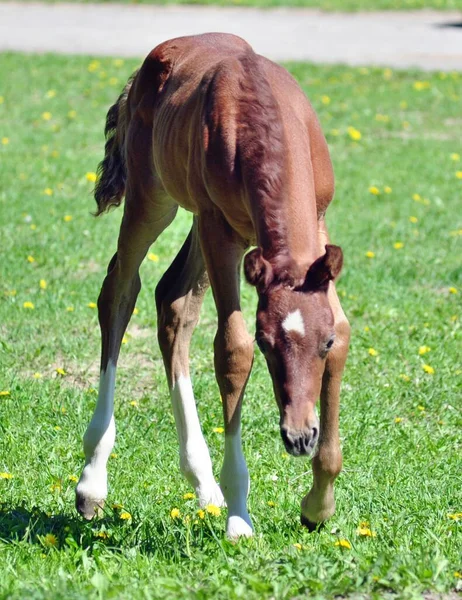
<point>88,508</point>
<point>210,495</point>
<point>310,525</point>
<point>237,528</point>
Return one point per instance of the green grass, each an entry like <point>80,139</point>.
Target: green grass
<point>327,5</point>
<point>403,477</point>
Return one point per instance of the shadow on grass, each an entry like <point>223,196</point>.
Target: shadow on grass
<point>149,536</point>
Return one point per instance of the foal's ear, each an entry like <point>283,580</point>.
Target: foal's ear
<point>257,270</point>
<point>324,269</point>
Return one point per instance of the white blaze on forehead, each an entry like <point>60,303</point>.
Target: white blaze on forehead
<point>294,322</point>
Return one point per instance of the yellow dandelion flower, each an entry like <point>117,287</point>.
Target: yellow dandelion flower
<point>453,290</point>
<point>423,350</point>
<point>428,369</point>
<point>37,376</point>
<point>416,197</point>
<point>54,154</point>
<point>2,99</point>
<point>354,133</point>
<point>70,309</point>
<point>56,486</point>
<point>457,574</point>
<point>297,546</point>
<point>459,174</point>
<point>90,176</point>
<point>33,227</point>
<point>48,191</point>
<point>57,428</point>
<point>366,532</point>
<point>5,141</point>
<point>413,219</point>
<point>30,259</point>
<point>60,371</point>
<point>218,429</point>
<point>175,513</point>
<point>325,100</point>
<point>421,85</point>
<point>67,218</point>
<point>125,515</point>
<point>454,516</point>
<point>94,66</point>
<point>370,254</point>
<point>201,513</point>
<point>92,305</point>
<point>50,540</point>
<point>153,257</point>
<point>51,94</point>
<point>46,116</point>
<point>398,419</point>
<point>271,503</point>
<point>117,506</point>
<point>133,403</point>
<point>372,352</point>
<point>213,510</point>
<point>114,455</point>
<point>125,340</point>
<point>387,74</point>
<point>43,284</point>
<point>455,156</point>
<point>421,408</point>
<point>103,535</point>
<point>398,245</point>
<point>72,114</point>
<point>189,496</point>
<point>135,311</point>
<point>374,190</point>
<point>6,476</point>
<point>343,544</point>
<point>5,393</point>
<point>387,189</point>
<point>29,305</point>
<point>63,410</point>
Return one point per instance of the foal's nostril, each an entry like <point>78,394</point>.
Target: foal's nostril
<point>299,443</point>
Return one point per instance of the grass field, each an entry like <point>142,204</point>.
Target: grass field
<point>327,5</point>
<point>395,141</point>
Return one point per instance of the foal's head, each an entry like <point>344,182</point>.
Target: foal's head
<point>295,331</point>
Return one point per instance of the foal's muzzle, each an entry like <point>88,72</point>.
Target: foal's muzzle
<point>300,443</point>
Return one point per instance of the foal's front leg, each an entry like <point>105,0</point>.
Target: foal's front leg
<point>233,362</point>
<point>319,504</point>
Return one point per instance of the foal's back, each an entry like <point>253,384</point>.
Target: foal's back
<point>220,109</point>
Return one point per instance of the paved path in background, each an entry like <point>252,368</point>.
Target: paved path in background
<point>425,39</point>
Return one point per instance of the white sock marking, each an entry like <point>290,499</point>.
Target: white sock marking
<point>294,322</point>
<point>99,439</point>
<point>195,460</point>
<point>235,484</point>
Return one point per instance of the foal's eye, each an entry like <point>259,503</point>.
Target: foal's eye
<point>328,345</point>
<point>330,342</point>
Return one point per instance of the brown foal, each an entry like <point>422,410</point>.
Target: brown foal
<point>211,126</point>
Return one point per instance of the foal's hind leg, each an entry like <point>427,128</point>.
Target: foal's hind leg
<point>179,297</point>
<point>115,307</point>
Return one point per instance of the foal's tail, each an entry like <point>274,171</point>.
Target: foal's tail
<point>112,172</point>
